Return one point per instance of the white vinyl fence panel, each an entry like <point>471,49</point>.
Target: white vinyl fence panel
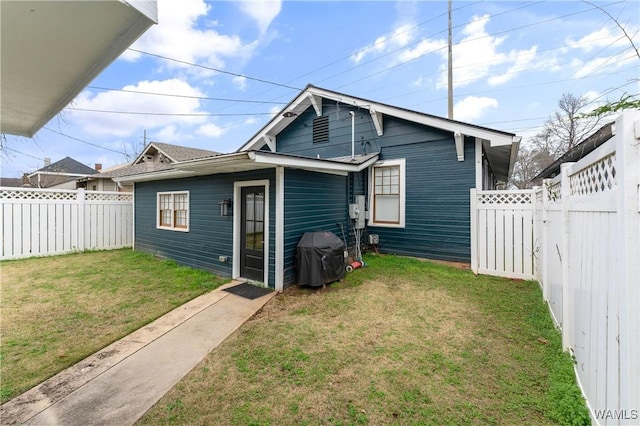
<point>586,255</point>
<point>43,222</point>
<point>504,227</point>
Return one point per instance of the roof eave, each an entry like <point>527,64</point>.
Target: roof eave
<point>304,100</point>
<point>43,73</point>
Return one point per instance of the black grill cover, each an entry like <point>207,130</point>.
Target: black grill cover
<point>320,259</point>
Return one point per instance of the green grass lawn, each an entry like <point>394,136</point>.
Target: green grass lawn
<point>58,310</point>
<point>398,342</point>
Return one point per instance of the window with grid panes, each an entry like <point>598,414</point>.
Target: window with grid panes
<point>388,194</point>
<point>173,210</point>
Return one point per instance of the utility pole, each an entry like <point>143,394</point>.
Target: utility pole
<point>450,68</point>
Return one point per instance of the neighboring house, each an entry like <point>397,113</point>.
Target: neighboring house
<point>154,158</point>
<point>12,182</point>
<point>605,133</point>
<point>61,174</point>
<point>406,177</point>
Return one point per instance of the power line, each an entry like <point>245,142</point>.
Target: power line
<point>83,141</point>
<point>204,114</point>
<point>22,153</point>
<point>456,44</point>
<point>204,98</point>
<point>215,69</point>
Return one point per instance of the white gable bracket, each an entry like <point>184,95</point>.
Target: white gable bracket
<point>270,141</point>
<point>377,120</point>
<point>459,138</point>
<point>316,101</point>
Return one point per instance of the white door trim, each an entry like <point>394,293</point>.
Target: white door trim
<point>237,203</point>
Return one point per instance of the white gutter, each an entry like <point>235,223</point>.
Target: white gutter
<point>145,177</point>
<point>353,135</point>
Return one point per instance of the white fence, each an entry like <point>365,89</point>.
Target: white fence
<point>502,227</point>
<point>43,222</point>
<point>585,252</point>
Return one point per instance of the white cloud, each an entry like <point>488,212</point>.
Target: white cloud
<point>424,47</point>
<point>471,108</point>
<point>263,12</point>
<point>477,56</point>
<point>240,82</point>
<point>124,124</point>
<point>602,38</point>
<point>520,60</point>
<point>401,36</point>
<point>178,36</point>
<point>474,55</point>
<point>598,65</point>
<point>210,130</point>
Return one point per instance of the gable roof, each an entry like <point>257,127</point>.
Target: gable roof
<point>579,151</point>
<point>66,166</point>
<point>312,96</point>
<point>501,147</point>
<point>52,49</point>
<point>175,153</point>
<point>172,153</point>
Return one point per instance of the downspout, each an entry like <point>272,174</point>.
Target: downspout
<point>353,135</point>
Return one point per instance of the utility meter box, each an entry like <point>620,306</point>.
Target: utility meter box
<point>357,213</point>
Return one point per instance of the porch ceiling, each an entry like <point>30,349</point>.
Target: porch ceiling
<point>52,49</point>
<point>501,158</point>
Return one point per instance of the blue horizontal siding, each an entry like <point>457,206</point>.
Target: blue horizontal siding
<point>437,217</point>
<point>210,235</point>
<point>313,202</point>
<point>437,184</point>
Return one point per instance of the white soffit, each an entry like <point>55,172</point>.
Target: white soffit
<point>51,50</point>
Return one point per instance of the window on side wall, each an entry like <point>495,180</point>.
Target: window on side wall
<point>388,194</point>
<point>173,211</point>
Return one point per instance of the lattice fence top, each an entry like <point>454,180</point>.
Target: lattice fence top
<point>510,197</point>
<point>538,194</point>
<point>554,192</point>
<point>100,196</point>
<point>62,195</point>
<point>597,177</point>
<point>36,194</point>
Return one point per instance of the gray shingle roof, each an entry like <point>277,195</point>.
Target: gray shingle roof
<point>134,169</point>
<point>68,165</point>
<point>183,153</point>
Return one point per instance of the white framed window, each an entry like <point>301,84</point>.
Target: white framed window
<point>173,211</point>
<point>387,189</point>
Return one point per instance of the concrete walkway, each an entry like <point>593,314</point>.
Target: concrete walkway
<point>118,384</point>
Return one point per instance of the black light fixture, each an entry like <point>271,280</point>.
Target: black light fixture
<point>289,114</point>
<point>225,207</point>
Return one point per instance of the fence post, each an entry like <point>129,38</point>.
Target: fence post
<point>544,246</point>
<point>81,219</point>
<point>567,291</point>
<point>628,229</point>
<point>474,231</point>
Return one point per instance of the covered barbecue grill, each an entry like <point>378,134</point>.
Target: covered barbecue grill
<point>320,259</point>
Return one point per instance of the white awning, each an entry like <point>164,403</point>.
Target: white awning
<point>51,50</point>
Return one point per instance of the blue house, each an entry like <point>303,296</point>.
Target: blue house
<point>366,171</point>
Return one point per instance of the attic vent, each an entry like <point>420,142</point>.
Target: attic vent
<point>321,129</point>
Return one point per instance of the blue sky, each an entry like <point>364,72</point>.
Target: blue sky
<point>512,62</point>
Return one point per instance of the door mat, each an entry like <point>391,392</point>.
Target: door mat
<point>248,291</point>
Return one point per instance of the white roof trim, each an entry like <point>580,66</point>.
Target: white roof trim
<point>249,160</point>
<point>316,102</point>
<point>159,175</point>
<point>157,148</point>
<point>302,102</point>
